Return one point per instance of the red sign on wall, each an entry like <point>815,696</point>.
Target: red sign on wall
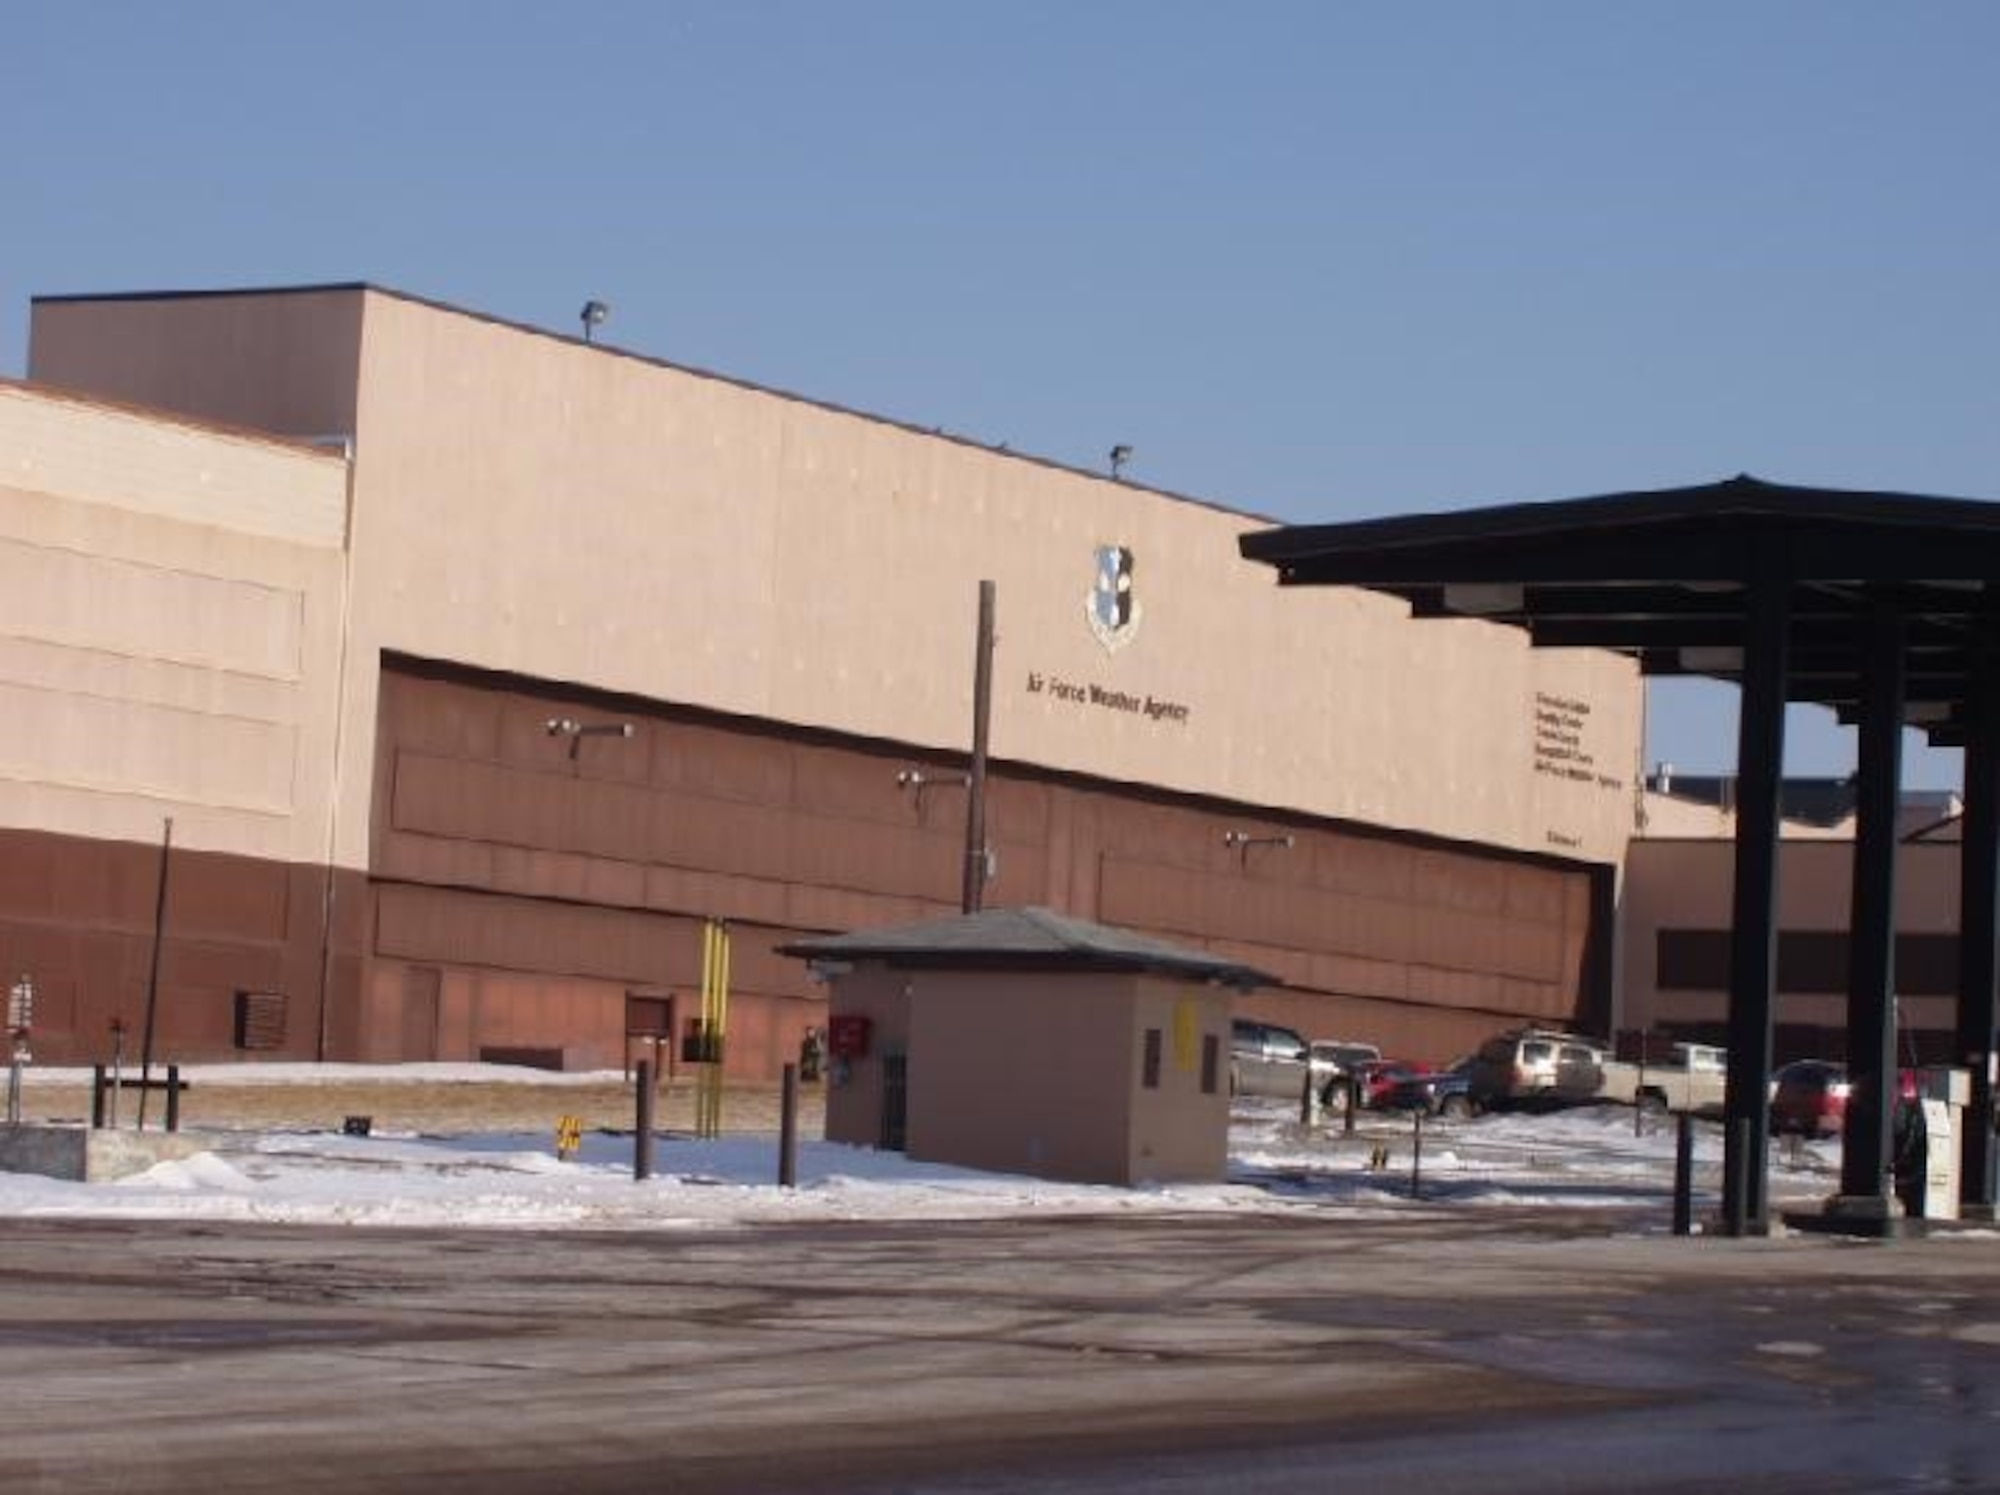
<point>847,1035</point>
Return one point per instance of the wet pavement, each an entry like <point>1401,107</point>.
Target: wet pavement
<point>1497,1350</point>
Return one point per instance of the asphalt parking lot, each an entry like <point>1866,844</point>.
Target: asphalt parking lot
<point>1489,1350</point>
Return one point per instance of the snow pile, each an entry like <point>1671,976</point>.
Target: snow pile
<point>1582,1158</point>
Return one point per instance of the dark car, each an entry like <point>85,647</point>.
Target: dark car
<point>1438,1092</point>
<point>1809,1098</point>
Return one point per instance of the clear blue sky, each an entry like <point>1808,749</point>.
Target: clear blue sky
<point>1315,260</point>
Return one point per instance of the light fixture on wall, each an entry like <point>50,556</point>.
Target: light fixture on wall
<point>593,316</point>
<point>1120,455</point>
<point>1240,842</point>
<point>918,782</point>
<point>576,731</point>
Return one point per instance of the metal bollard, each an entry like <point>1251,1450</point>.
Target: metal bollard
<point>788,1128</point>
<point>1309,1103</point>
<point>173,1097</point>
<point>1684,1176</point>
<point>1353,1084</point>
<point>1417,1152</point>
<point>642,1125</point>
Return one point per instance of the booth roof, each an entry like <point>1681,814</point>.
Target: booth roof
<point>1020,938</point>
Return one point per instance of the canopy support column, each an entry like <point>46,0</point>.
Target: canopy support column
<point>1753,954</point>
<point>1867,1192</point>
<point>1979,932</point>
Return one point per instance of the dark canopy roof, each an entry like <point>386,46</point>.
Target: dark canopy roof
<point>1025,939</point>
<point>1661,576</point>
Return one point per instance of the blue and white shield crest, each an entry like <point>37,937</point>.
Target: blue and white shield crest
<point>1112,606</point>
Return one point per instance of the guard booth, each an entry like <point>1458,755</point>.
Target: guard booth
<point>1022,1041</point>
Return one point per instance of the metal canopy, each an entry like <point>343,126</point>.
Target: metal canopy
<point>1878,605</point>
<point>1661,576</point>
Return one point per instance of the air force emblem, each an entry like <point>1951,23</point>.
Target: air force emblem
<point>1112,606</point>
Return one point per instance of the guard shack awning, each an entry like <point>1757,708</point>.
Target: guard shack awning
<point>1884,607</point>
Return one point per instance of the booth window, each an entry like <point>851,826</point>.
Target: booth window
<point>1150,1077</point>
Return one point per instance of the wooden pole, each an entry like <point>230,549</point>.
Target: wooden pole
<point>975,799</point>
<point>153,978</point>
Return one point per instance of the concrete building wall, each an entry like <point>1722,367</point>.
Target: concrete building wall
<point>172,630</point>
<point>1676,913</point>
<point>534,504</point>
<point>169,650</point>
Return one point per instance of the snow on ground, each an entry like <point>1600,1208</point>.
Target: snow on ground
<point>1578,1158</point>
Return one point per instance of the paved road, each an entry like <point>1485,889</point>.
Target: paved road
<point>1467,1350</point>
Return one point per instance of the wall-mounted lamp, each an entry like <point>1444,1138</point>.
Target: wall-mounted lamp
<point>917,781</point>
<point>576,731</point>
<point>592,317</point>
<point>1120,455</point>
<point>1242,841</point>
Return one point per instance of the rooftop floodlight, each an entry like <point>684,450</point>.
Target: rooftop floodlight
<point>1120,455</point>
<point>593,315</point>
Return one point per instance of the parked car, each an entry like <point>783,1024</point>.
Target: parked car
<point>1439,1092</point>
<point>1343,1054</point>
<point>1536,1068</point>
<point>1688,1077</point>
<point>1375,1078</point>
<point>1273,1061</point>
<point>1809,1096</point>
<point>1336,1061</point>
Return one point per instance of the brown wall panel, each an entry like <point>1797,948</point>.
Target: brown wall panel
<point>713,762</point>
<point>1358,864</point>
<point>28,877</point>
<point>232,924</point>
<point>577,877</point>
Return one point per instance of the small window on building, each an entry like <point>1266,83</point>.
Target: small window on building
<point>1150,1075</point>
<point>260,1020</point>
<point>1211,1062</point>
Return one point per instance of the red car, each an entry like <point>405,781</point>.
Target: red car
<point>1809,1096</point>
<point>1378,1077</point>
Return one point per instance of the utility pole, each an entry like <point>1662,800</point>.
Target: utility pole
<point>153,977</point>
<point>975,799</point>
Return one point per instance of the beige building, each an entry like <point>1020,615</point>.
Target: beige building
<point>477,668</point>
<point>1675,914</point>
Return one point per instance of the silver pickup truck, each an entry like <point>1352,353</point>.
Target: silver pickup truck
<point>1690,1077</point>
